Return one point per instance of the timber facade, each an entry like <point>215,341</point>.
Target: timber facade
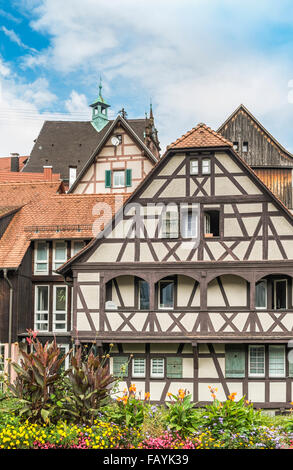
<point>194,278</point>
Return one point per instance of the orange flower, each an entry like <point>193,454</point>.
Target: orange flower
<point>132,388</point>
<point>181,393</point>
<point>232,396</point>
<point>169,394</point>
<point>147,396</point>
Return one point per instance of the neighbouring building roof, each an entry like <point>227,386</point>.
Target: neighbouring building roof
<point>71,143</point>
<point>5,162</point>
<point>200,136</point>
<point>14,177</point>
<point>64,216</point>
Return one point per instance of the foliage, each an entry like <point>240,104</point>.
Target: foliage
<point>89,387</point>
<point>155,421</point>
<point>182,416</point>
<point>168,441</point>
<point>128,409</point>
<point>39,375</point>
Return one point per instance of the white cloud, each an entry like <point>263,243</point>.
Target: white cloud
<point>11,34</point>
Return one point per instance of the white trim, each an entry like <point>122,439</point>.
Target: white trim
<point>113,176</point>
<point>55,312</point>
<point>209,166</point>
<point>41,312</point>
<point>54,254</point>
<point>157,375</point>
<point>136,375</point>
<point>36,261</point>
<point>191,161</point>
<point>258,346</point>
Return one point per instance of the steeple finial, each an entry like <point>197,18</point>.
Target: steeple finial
<point>151,109</point>
<point>100,86</point>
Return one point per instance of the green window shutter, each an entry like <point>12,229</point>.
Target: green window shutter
<point>108,179</point>
<point>128,177</point>
<point>118,363</point>
<point>174,367</point>
<point>234,360</point>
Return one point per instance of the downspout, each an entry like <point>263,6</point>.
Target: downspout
<point>9,322</point>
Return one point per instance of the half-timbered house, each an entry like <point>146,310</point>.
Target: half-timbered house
<point>193,277</point>
<point>272,163</point>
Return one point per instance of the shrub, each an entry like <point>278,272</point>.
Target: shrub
<point>182,415</point>
<point>128,409</point>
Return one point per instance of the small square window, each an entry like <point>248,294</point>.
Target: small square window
<point>194,167</point>
<point>138,367</point>
<point>118,179</point>
<point>236,146</point>
<point>157,367</point>
<point>206,166</point>
<point>211,223</point>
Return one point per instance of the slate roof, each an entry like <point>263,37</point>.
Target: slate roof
<point>70,143</point>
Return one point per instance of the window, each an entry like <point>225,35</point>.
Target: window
<point>60,308</point>
<point>277,361</point>
<point>138,367</point>
<point>41,258</point>
<point>280,294</point>
<point>166,294</point>
<point>188,223</point>
<point>72,175</point>
<point>64,348</point>
<point>236,146</point>
<point>144,295</point>
<point>157,367</point>
<point>174,367</point>
<point>120,366</point>
<point>234,361</point>
<point>41,308</point>
<point>118,179</point>
<point>60,254</point>
<point>211,223</point>
<point>119,137</point>
<point>194,167</point>
<point>206,166</point>
<point>170,224</point>
<point>245,147</point>
<point>261,294</point>
<point>76,247</point>
<point>256,361</point>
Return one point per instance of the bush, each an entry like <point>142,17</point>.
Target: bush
<point>182,416</point>
<point>128,409</point>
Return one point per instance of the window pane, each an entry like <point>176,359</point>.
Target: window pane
<point>60,251</point>
<point>256,360</point>
<point>118,178</point>
<point>170,224</point>
<point>206,166</point>
<point>194,167</point>
<point>144,295</point>
<point>42,298</point>
<point>41,267</point>
<point>166,292</point>
<point>42,251</point>
<point>236,146</point>
<point>77,246</point>
<point>138,368</point>
<point>276,361</point>
<point>261,294</point>
<point>188,224</point>
<point>157,367</point>
<point>60,298</point>
<point>280,294</point>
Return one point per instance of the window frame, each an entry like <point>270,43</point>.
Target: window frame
<point>139,306</point>
<point>191,161</point>
<point>206,159</point>
<point>41,312</point>
<point>236,146</point>
<point>274,294</point>
<point>72,178</point>
<point>54,261</point>
<point>159,294</point>
<point>55,311</point>
<point>266,297</point>
<point>73,242</point>
<point>283,374</point>
<point>138,375</point>
<point>252,374</point>
<point>113,179</point>
<point>172,235</point>
<point>66,348</point>
<point>46,261</point>
<point>187,235</point>
<point>206,212</point>
<point>156,375</point>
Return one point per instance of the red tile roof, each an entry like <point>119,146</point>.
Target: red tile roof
<point>5,163</point>
<point>13,176</point>
<point>65,216</point>
<point>200,136</point>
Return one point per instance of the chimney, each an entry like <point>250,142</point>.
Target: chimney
<point>14,162</point>
<point>48,172</point>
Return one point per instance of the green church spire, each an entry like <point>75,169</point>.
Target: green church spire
<point>100,111</point>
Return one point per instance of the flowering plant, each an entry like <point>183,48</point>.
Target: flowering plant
<point>129,410</point>
<point>182,416</point>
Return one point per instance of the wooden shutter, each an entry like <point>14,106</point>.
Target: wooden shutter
<point>234,360</point>
<point>108,179</point>
<point>174,367</point>
<point>128,177</point>
<point>118,362</point>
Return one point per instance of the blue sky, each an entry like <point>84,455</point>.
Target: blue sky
<point>196,59</point>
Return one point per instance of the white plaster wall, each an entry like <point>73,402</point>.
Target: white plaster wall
<point>256,392</point>
<point>278,392</point>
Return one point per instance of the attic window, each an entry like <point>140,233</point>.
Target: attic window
<point>211,223</point>
<point>236,146</point>
<point>245,147</point>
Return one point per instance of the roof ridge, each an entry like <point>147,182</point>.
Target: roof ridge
<point>195,129</point>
